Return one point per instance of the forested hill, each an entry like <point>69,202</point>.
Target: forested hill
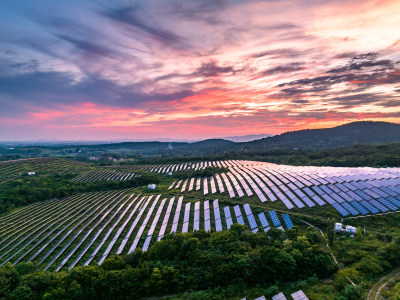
<point>309,139</point>
<point>340,136</point>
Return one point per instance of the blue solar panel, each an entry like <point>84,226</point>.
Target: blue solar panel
<point>338,198</point>
<point>340,209</point>
<point>288,221</point>
<point>388,204</point>
<point>350,208</point>
<point>328,199</point>
<point>252,221</point>
<point>388,190</point>
<point>274,218</point>
<point>354,195</point>
<point>342,187</point>
<point>308,201</point>
<point>394,188</point>
<point>363,195</point>
<point>394,201</point>
<point>263,220</point>
<point>357,185</point>
<point>309,192</point>
<point>326,189</point>
<point>379,206</point>
<point>240,220</point>
<point>349,185</point>
<point>318,190</point>
<point>334,188</point>
<point>359,207</point>
<point>379,192</point>
<point>370,207</point>
<point>371,193</point>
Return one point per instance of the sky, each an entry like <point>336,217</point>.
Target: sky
<point>194,69</point>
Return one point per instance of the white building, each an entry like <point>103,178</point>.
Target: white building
<point>151,186</point>
<point>31,173</point>
<point>351,229</point>
<point>338,226</point>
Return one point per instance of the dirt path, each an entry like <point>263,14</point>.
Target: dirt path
<point>375,291</point>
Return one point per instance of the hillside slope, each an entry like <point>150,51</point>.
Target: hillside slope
<point>340,136</point>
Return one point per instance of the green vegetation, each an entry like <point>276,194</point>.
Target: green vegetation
<point>228,264</point>
<point>207,264</point>
<point>17,193</point>
<point>363,133</point>
<point>381,155</point>
<point>207,172</point>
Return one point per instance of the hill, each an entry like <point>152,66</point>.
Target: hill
<point>246,138</point>
<point>341,136</point>
<point>309,139</point>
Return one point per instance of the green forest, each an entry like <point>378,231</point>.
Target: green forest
<point>29,190</point>
<point>215,265</point>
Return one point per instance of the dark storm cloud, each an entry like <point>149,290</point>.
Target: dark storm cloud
<point>130,18</point>
<point>275,53</point>
<point>91,48</point>
<point>207,10</point>
<point>319,80</point>
<point>45,89</point>
<point>211,69</point>
<point>292,67</point>
<point>357,99</point>
<point>357,66</point>
<point>362,61</point>
<point>9,66</point>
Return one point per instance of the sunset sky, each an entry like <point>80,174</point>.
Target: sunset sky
<point>194,69</point>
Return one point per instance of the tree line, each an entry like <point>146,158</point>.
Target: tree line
<point>183,263</point>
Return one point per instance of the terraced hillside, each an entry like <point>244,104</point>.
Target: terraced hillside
<point>106,175</point>
<point>14,169</point>
<point>351,191</point>
<point>88,228</point>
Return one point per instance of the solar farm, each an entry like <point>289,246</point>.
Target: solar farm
<point>350,191</point>
<point>15,169</point>
<point>87,228</point>
<point>103,175</point>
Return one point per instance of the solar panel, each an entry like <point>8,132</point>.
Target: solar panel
<point>309,192</point>
<point>350,208</point>
<point>388,204</point>
<point>380,192</point>
<point>288,221</point>
<point>240,220</point>
<point>388,191</point>
<point>340,209</point>
<point>363,195</point>
<point>263,220</point>
<point>252,221</point>
<point>359,207</point>
<point>274,218</point>
<point>279,296</point>
<point>394,201</point>
<point>328,199</point>
<point>370,207</point>
<point>339,199</point>
<point>308,201</point>
<point>326,189</point>
<point>299,295</point>
<point>146,243</point>
<point>379,206</point>
<point>228,217</point>
<point>247,209</point>
<point>371,193</point>
<point>237,211</point>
